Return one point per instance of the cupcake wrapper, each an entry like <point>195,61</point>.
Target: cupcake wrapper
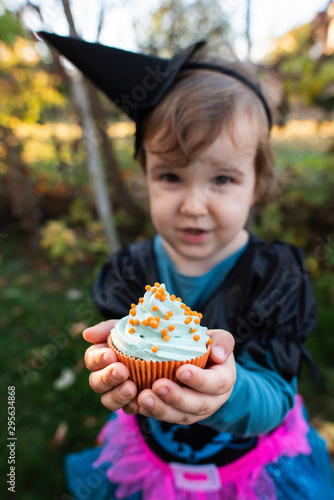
<point>144,373</point>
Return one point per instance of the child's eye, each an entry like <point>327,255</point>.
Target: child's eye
<point>169,178</point>
<point>220,180</point>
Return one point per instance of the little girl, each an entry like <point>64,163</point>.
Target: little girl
<point>238,429</point>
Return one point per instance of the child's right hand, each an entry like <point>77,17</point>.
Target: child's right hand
<point>109,377</point>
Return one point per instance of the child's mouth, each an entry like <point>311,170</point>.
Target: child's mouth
<point>194,235</point>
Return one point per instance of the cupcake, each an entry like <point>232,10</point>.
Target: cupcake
<point>160,334</point>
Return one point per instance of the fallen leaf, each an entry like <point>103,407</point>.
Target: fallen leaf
<point>65,380</point>
<point>77,328</point>
<point>60,434</point>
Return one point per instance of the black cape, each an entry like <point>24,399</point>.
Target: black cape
<point>266,301</point>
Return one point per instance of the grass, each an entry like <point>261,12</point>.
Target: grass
<point>41,335</point>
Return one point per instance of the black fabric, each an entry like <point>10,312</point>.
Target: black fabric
<point>266,301</point>
<point>196,437</point>
<point>136,83</point>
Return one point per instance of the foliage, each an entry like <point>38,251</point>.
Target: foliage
<point>175,24</point>
<point>42,315</point>
<point>76,238</point>
<point>303,214</point>
<point>306,78</point>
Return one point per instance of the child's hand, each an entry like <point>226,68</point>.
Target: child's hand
<point>109,377</point>
<point>206,391</point>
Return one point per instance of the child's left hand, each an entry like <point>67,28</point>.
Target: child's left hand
<point>207,389</point>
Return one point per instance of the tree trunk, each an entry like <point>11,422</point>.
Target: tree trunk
<point>120,194</point>
<point>95,164</point>
<point>248,24</point>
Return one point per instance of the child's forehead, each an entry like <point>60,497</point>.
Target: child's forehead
<point>238,135</point>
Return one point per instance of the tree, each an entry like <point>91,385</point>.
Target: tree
<point>95,166</point>
<point>178,23</point>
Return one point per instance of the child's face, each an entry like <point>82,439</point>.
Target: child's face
<point>200,210</point>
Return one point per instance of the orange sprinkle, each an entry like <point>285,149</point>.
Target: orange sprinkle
<point>157,284</point>
<point>131,330</point>
<point>132,312</point>
<point>179,299</point>
<point>163,297</point>
<point>133,306</point>
<point>150,318</point>
<point>187,308</point>
<point>196,337</point>
<point>172,297</point>
<point>135,322</point>
<point>155,308</point>
<point>166,317</point>
<point>154,348</point>
<point>154,290</point>
<point>162,289</point>
<point>148,287</point>
<point>187,320</point>
<point>197,321</point>
<point>200,315</point>
<point>141,300</point>
<point>144,322</point>
<point>171,328</point>
<point>192,330</point>
<point>164,331</point>
<point>183,306</point>
<point>154,323</point>
<point>157,295</point>
<point>209,341</point>
<point>157,318</point>
<point>166,337</point>
<point>170,313</point>
<point>131,321</point>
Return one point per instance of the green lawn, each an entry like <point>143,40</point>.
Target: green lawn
<point>40,338</point>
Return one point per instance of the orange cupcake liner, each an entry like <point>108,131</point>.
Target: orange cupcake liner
<point>144,373</point>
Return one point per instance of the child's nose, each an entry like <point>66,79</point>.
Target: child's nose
<point>194,204</point>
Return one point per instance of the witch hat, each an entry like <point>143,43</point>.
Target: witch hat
<point>136,83</point>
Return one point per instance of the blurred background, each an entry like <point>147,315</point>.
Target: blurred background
<point>71,193</point>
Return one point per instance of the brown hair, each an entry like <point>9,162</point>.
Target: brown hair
<point>192,114</point>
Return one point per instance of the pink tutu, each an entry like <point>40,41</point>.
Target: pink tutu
<point>136,468</point>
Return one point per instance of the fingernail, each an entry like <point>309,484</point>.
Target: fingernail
<point>124,392</point>
<point>149,401</point>
<point>185,375</point>
<point>219,352</point>
<point>116,375</point>
<point>162,391</point>
<point>84,333</point>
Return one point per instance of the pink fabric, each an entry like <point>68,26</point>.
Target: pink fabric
<point>135,467</point>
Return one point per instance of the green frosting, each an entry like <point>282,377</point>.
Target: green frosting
<point>180,347</point>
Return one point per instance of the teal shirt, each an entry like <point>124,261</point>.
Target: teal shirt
<point>261,397</point>
<point>194,290</point>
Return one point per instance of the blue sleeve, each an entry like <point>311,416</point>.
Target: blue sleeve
<point>259,401</point>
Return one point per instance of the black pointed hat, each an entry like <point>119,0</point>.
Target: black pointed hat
<point>136,83</point>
